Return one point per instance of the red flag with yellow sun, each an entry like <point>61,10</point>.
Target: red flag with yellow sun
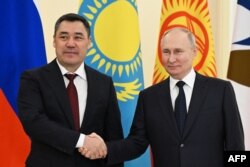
<point>193,15</point>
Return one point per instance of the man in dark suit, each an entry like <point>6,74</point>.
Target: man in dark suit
<point>46,110</point>
<point>210,125</point>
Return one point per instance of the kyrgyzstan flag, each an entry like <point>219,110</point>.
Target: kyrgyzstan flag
<point>193,15</point>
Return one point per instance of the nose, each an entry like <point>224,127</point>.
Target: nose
<point>70,42</point>
<point>171,58</point>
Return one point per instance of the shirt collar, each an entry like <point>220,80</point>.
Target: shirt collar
<point>80,71</point>
<point>188,79</point>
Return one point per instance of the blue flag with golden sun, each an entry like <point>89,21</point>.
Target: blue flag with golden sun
<point>115,51</point>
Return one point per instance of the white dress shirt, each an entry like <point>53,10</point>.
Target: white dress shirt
<point>188,88</point>
<point>80,82</point>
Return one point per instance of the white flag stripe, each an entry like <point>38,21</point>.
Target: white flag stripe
<point>241,25</point>
<point>241,28</point>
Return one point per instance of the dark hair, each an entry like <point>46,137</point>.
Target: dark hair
<point>72,17</point>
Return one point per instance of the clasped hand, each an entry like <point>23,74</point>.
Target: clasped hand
<point>93,147</point>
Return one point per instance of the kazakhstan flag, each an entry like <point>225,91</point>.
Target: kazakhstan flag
<point>116,52</point>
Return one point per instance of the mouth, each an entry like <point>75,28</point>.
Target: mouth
<point>70,53</point>
<point>171,66</point>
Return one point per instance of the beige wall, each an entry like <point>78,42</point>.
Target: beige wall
<point>221,13</point>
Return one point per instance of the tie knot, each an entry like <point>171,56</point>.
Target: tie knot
<point>71,77</point>
<point>180,84</point>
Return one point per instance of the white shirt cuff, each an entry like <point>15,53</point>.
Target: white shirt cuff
<point>80,141</point>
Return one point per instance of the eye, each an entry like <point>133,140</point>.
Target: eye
<point>63,37</point>
<point>178,51</point>
<point>166,52</point>
<point>79,38</point>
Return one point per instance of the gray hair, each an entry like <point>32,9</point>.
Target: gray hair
<point>190,35</point>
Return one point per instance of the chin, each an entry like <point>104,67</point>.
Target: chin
<point>174,75</point>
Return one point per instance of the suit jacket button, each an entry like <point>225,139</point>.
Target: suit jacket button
<point>182,145</point>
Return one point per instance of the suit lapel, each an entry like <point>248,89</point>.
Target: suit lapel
<point>167,108</point>
<point>197,99</point>
<point>57,85</point>
<point>92,86</point>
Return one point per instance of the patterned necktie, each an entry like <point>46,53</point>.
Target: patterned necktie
<point>73,97</point>
<point>180,107</point>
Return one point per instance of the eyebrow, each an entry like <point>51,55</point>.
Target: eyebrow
<point>76,33</point>
<point>165,49</point>
<point>79,33</point>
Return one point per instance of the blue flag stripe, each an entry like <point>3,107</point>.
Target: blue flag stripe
<point>22,44</point>
<point>244,3</point>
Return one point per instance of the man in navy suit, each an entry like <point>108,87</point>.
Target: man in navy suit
<point>46,111</point>
<point>211,124</point>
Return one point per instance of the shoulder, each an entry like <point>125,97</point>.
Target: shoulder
<point>212,81</point>
<point>34,71</point>
<point>163,85</point>
<point>45,72</point>
<point>47,67</point>
<point>92,73</point>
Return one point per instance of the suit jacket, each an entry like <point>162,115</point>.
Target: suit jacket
<point>212,125</point>
<point>45,113</point>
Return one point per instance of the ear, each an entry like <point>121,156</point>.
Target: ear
<point>195,52</point>
<point>54,42</point>
<point>90,43</point>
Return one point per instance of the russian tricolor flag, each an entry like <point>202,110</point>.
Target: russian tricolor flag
<point>21,47</point>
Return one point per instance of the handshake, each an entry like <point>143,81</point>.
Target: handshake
<point>93,147</point>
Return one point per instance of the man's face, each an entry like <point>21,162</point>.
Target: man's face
<point>177,54</point>
<point>71,43</point>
